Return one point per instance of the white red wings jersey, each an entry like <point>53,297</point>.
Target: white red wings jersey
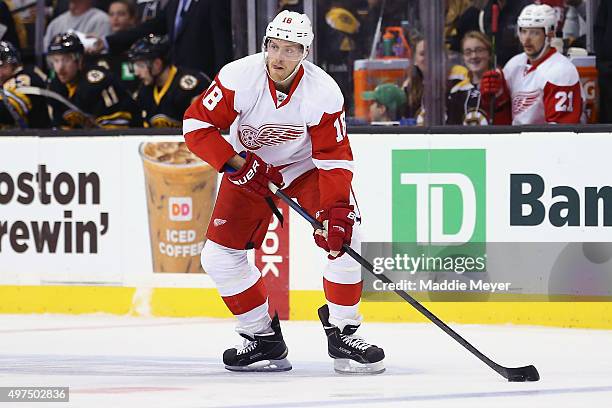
<point>297,132</point>
<point>546,92</point>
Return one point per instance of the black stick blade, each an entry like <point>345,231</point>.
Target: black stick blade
<point>522,374</point>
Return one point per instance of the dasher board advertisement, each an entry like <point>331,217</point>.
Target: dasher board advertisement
<point>103,210</point>
<point>93,210</point>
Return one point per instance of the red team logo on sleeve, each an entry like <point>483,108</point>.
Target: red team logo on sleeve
<point>268,135</point>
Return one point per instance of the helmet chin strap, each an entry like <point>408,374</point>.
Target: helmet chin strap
<point>289,78</point>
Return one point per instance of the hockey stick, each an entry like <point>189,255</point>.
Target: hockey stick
<point>377,33</point>
<point>518,374</point>
<point>494,26</point>
<point>34,90</point>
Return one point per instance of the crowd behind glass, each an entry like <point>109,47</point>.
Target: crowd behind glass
<point>121,63</point>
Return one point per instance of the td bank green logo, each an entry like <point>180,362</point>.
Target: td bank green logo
<point>439,195</point>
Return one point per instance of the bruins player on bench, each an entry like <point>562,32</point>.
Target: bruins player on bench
<point>166,90</point>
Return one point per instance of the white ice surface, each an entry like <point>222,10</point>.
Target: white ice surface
<point>110,361</point>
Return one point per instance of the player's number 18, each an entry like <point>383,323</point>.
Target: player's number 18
<point>213,98</point>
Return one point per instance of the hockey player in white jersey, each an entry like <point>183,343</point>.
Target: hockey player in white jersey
<point>286,126</point>
<point>540,85</point>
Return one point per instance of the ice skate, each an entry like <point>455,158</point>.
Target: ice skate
<point>351,354</point>
<point>260,352</point>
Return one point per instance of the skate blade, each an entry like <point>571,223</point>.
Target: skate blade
<point>351,367</point>
<point>263,366</point>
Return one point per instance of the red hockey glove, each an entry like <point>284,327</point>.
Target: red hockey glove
<point>493,84</point>
<point>338,222</point>
<point>255,174</point>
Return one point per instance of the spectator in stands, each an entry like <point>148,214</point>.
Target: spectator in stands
<point>122,15</point>
<point>167,90</point>
<point>148,9</point>
<point>199,31</point>
<point>464,104</point>
<point>21,106</point>
<point>413,86</point>
<point>540,85</point>
<point>603,36</point>
<point>506,41</point>
<point>61,6</point>
<point>388,102</point>
<point>81,16</point>
<point>86,97</point>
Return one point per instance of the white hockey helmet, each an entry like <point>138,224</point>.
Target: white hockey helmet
<point>291,26</point>
<point>538,16</point>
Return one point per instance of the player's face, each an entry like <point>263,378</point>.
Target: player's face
<point>66,67</point>
<point>283,57</point>
<point>476,55</point>
<point>143,70</point>
<point>532,40</point>
<point>420,56</point>
<point>377,112</point>
<point>120,18</point>
<point>6,72</point>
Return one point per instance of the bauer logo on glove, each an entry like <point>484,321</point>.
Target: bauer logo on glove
<point>255,175</point>
<point>249,174</point>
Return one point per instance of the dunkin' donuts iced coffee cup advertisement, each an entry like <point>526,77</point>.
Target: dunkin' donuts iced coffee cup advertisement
<point>180,192</point>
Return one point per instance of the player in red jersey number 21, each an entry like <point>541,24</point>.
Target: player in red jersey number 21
<point>540,85</point>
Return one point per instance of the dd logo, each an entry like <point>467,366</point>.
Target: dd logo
<point>180,208</point>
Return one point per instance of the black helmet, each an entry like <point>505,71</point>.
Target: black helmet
<point>9,54</point>
<point>66,43</point>
<point>150,47</point>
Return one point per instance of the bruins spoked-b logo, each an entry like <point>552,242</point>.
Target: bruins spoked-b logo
<point>268,135</point>
<point>475,117</point>
<point>188,82</point>
<point>95,76</point>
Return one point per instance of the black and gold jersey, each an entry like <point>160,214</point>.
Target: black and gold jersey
<point>165,106</point>
<point>122,69</point>
<point>101,99</point>
<point>20,108</point>
<point>464,105</point>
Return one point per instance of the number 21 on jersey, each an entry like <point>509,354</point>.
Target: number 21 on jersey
<point>565,101</point>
